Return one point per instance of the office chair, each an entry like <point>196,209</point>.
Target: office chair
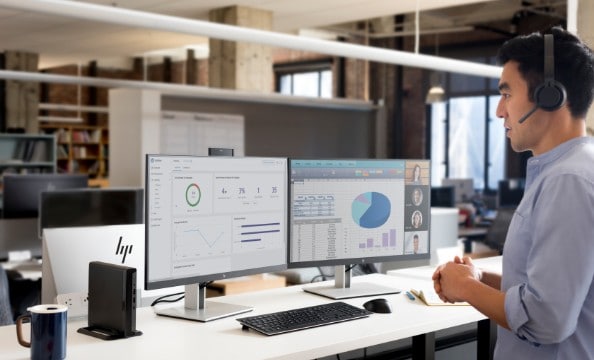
<point>495,237</point>
<point>5,309</point>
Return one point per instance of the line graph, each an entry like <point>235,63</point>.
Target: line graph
<point>194,238</point>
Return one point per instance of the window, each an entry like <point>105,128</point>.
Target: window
<point>467,138</point>
<point>312,79</point>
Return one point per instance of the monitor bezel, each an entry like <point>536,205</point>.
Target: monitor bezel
<point>136,193</point>
<point>10,180</point>
<point>358,260</point>
<point>200,279</point>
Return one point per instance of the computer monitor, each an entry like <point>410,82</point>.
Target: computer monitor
<point>443,196</point>
<point>90,207</point>
<point>510,192</point>
<point>21,192</point>
<point>346,212</point>
<point>464,188</point>
<point>211,218</point>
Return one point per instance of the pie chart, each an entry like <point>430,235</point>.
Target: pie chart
<point>371,210</point>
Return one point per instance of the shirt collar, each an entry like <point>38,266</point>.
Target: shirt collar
<point>537,164</point>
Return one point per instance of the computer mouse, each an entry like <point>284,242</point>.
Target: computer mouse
<point>379,305</point>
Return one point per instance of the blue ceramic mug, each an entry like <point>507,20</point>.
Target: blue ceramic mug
<point>48,331</point>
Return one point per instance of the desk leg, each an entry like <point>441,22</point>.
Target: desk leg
<point>423,346</point>
<point>486,339</point>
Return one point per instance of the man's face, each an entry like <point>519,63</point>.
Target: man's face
<point>513,105</point>
<point>417,196</point>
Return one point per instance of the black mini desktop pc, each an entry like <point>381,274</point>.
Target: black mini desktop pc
<point>112,301</point>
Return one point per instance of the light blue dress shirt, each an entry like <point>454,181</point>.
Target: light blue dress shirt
<point>548,259</point>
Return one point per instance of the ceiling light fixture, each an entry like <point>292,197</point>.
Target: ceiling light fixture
<point>436,93</point>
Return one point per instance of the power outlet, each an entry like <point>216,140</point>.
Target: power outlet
<point>78,303</point>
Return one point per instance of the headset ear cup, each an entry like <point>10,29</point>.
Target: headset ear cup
<point>550,96</point>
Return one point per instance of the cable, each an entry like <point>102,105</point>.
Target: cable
<point>202,285</point>
<point>163,298</point>
<point>350,268</point>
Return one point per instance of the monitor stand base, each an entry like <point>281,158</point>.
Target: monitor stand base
<point>211,311</point>
<point>358,290</point>
<point>342,288</point>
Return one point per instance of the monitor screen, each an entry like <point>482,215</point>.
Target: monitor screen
<point>210,218</point>
<point>510,192</point>
<point>443,196</point>
<point>90,207</point>
<point>358,211</point>
<point>21,192</point>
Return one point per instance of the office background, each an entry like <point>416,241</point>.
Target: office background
<point>366,109</point>
<point>397,122</point>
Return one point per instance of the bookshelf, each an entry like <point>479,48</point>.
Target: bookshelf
<point>81,149</point>
<point>26,153</point>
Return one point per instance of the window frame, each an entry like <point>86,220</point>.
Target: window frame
<point>488,90</point>
<point>291,69</point>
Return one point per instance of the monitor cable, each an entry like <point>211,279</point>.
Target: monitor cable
<point>180,295</point>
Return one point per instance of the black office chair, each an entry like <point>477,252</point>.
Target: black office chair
<point>497,233</point>
<point>5,308</point>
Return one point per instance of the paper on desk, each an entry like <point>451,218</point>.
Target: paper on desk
<point>429,297</point>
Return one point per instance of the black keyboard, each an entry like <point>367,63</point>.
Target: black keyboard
<point>303,318</point>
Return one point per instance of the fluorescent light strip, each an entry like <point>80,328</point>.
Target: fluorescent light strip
<point>114,15</point>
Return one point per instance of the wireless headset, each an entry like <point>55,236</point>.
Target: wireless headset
<point>551,94</point>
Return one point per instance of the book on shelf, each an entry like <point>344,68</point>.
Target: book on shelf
<point>39,152</point>
<point>20,150</point>
<point>30,151</point>
<point>96,136</point>
<point>63,135</point>
<point>81,136</point>
<point>80,152</point>
<point>62,151</point>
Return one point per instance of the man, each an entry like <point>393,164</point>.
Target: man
<point>544,300</point>
<point>415,243</point>
<point>417,197</point>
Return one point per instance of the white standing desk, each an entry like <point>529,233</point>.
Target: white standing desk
<point>169,338</point>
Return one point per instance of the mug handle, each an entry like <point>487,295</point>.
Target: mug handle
<point>19,330</point>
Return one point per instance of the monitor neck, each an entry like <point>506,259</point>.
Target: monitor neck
<point>342,276</point>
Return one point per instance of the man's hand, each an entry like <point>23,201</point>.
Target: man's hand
<point>449,279</point>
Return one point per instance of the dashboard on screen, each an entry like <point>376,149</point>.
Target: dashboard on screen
<point>358,211</point>
<point>209,218</point>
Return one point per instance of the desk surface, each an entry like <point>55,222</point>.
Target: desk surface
<point>224,339</point>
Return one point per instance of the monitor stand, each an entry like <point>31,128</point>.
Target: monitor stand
<point>342,288</point>
<point>195,308</point>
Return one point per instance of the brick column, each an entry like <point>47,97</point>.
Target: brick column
<point>22,98</point>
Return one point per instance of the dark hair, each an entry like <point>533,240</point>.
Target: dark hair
<point>574,65</point>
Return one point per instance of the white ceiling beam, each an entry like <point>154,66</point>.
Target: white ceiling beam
<point>186,90</point>
<point>140,19</point>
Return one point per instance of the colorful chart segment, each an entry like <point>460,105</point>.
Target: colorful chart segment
<point>371,210</point>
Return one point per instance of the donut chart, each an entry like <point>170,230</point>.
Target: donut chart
<point>193,195</point>
<point>371,210</point>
